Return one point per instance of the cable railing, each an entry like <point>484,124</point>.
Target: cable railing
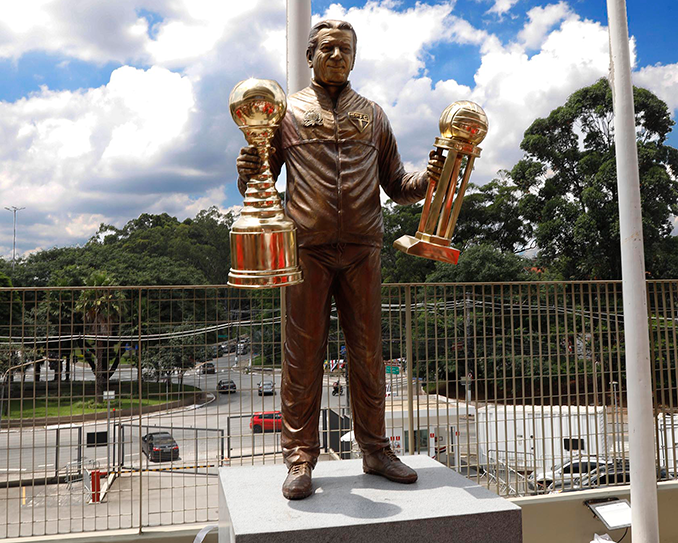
<point>119,404</point>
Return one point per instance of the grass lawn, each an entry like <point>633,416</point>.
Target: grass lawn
<point>77,398</point>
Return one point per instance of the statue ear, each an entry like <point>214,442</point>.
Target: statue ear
<point>309,58</point>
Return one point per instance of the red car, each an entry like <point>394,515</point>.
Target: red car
<point>267,421</point>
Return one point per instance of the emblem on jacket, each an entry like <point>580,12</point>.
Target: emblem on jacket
<point>313,117</point>
<point>360,120</point>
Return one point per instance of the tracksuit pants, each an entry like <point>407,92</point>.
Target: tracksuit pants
<point>352,275</point>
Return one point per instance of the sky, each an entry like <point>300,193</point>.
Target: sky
<point>113,108</point>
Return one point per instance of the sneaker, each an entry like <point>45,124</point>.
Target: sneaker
<point>298,484</point>
<point>387,464</point>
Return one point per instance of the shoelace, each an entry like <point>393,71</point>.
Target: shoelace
<point>391,455</point>
<point>298,469</point>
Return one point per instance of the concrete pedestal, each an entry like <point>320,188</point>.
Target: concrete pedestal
<point>348,505</point>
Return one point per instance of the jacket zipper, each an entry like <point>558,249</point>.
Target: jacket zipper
<point>338,170</point>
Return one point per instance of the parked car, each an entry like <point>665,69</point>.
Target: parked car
<point>561,475</point>
<point>266,421</point>
<point>617,472</point>
<point>207,367</point>
<point>159,447</point>
<point>226,386</point>
<point>266,388</point>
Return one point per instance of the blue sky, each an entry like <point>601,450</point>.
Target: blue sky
<point>112,108</point>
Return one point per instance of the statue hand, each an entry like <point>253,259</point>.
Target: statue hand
<point>436,161</point>
<point>248,162</point>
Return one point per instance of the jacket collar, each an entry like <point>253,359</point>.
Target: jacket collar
<point>324,97</point>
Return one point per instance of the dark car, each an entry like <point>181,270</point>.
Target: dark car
<point>267,421</point>
<point>266,388</point>
<point>160,446</point>
<point>226,386</point>
<point>207,367</point>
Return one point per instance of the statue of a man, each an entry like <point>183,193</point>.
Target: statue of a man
<point>339,149</point>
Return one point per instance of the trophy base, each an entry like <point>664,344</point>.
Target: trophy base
<point>425,249</point>
<point>263,253</point>
<point>268,279</point>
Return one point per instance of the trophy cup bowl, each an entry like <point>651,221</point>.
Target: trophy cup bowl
<point>263,240</point>
<point>463,125</point>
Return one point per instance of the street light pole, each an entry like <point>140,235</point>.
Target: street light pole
<point>14,210</point>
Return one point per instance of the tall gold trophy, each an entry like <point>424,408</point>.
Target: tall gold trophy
<point>463,125</point>
<point>263,240</point>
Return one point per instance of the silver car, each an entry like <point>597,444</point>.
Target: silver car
<point>266,388</point>
<point>562,476</point>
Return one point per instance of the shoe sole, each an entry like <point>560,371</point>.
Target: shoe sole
<point>301,496</point>
<point>370,471</point>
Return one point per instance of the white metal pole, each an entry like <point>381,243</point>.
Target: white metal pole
<point>298,27</point>
<point>644,512</point>
<point>298,77</point>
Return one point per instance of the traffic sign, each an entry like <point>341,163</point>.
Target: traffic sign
<point>393,370</point>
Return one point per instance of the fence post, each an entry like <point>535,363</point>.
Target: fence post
<point>140,392</point>
<point>410,373</point>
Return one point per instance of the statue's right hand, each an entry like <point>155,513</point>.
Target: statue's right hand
<point>248,162</point>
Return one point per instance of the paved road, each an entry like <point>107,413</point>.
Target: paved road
<point>206,434</point>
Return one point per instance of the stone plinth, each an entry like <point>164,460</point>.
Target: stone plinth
<point>348,505</point>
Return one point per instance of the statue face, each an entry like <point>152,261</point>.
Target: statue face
<point>333,57</point>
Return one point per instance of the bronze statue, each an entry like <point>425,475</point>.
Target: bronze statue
<point>339,149</point>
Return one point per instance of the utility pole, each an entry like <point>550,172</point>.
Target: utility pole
<point>14,210</point>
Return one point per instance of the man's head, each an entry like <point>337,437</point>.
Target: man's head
<point>331,52</point>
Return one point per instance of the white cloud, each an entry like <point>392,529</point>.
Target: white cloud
<point>65,155</point>
<point>155,140</point>
<point>512,86</point>
<point>104,31</point>
<point>662,80</point>
<point>390,53</point>
<point>501,7</point>
<point>541,21</point>
<point>150,140</point>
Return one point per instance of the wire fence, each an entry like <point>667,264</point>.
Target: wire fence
<point>120,404</point>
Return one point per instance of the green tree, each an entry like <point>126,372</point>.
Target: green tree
<point>397,267</point>
<point>490,214</point>
<point>482,263</point>
<point>178,353</point>
<point>569,183</point>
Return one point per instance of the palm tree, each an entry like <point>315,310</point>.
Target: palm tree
<point>102,310</point>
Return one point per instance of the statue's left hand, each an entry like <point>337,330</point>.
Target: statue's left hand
<point>436,161</point>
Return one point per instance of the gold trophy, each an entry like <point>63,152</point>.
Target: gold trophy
<point>463,125</point>
<point>263,240</point>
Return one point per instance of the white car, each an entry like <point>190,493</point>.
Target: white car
<point>562,476</point>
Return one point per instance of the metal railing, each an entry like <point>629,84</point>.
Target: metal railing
<point>119,404</point>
